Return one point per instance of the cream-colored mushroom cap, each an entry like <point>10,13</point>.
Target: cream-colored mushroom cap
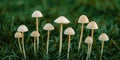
<point>22,28</point>
<point>48,26</point>
<point>69,31</point>
<point>62,20</point>
<point>18,35</point>
<point>37,13</point>
<point>83,19</point>
<point>35,34</point>
<point>103,37</point>
<point>92,25</point>
<point>89,40</point>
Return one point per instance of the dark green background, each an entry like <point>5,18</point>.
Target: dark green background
<point>16,12</point>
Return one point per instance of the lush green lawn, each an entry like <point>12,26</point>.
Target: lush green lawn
<point>14,13</point>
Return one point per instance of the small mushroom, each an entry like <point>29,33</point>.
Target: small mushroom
<point>61,20</point>
<point>35,34</point>
<point>48,27</point>
<point>18,35</point>
<point>103,37</point>
<point>92,25</point>
<point>89,41</point>
<point>23,28</point>
<point>69,31</point>
<point>36,14</point>
<point>83,19</point>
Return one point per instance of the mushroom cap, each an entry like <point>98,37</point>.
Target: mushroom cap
<point>22,28</point>
<point>35,34</point>
<point>103,37</point>
<point>83,19</point>
<point>48,26</point>
<point>18,35</point>
<point>69,31</point>
<point>89,40</point>
<point>92,25</point>
<point>62,20</point>
<point>37,13</point>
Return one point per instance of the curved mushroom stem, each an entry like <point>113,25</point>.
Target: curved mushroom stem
<point>102,50</point>
<point>47,42</point>
<point>68,47</point>
<point>35,45</point>
<point>60,47</point>
<point>23,45</point>
<point>19,45</point>
<point>37,31</point>
<point>80,37</point>
<point>88,52</point>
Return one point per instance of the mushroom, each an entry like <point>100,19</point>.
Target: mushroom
<point>61,20</point>
<point>35,34</point>
<point>23,28</point>
<point>18,35</point>
<point>83,19</point>
<point>89,41</point>
<point>69,31</point>
<point>92,25</point>
<point>48,27</point>
<point>36,14</point>
<point>103,37</point>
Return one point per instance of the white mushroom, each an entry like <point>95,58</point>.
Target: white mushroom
<point>69,31</point>
<point>61,20</point>
<point>18,35</point>
<point>83,19</point>
<point>103,37</point>
<point>23,28</point>
<point>36,14</point>
<point>48,27</point>
<point>89,41</point>
<point>35,34</point>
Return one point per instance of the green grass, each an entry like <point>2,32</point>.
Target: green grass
<point>14,13</point>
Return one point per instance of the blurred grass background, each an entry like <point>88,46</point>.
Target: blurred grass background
<point>16,12</point>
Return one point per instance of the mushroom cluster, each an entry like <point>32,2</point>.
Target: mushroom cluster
<point>61,20</point>
<point>20,34</point>
<point>83,19</point>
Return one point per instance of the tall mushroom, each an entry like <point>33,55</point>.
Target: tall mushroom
<point>35,34</point>
<point>61,20</point>
<point>69,31</point>
<point>83,19</point>
<point>18,35</point>
<point>89,41</point>
<point>36,14</point>
<point>48,27</point>
<point>92,25</point>
<point>103,37</point>
<point>23,28</point>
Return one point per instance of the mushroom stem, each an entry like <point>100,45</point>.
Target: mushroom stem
<point>37,31</point>
<point>88,52</point>
<point>102,50</point>
<point>47,42</point>
<point>81,37</point>
<point>37,24</point>
<point>68,47</point>
<point>35,45</point>
<point>92,32</point>
<point>19,45</point>
<point>23,45</point>
<point>60,47</point>
<point>90,48</point>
